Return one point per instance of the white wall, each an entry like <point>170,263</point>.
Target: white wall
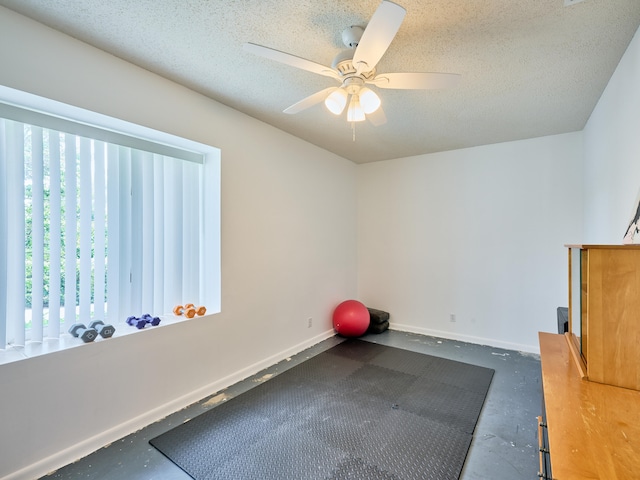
<point>288,253</point>
<point>478,233</point>
<point>612,153</point>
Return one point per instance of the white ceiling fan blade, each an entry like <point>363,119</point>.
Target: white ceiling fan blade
<point>416,81</point>
<point>378,35</point>
<point>377,118</point>
<point>310,101</point>
<point>291,60</point>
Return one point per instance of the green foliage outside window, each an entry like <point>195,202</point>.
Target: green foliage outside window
<point>28,206</point>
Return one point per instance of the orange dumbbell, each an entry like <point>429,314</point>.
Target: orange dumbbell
<point>187,311</point>
<point>199,310</point>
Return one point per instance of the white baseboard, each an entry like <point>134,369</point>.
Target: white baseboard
<point>518,347</point>
<point>90,445</point>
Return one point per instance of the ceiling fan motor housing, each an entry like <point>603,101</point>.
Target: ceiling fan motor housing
<point>351,36</point>
<point>342,62</point>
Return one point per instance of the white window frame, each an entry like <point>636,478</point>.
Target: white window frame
<point>86,123</point>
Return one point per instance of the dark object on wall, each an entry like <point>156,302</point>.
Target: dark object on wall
<point>633,230</point>
<point>563,319</point>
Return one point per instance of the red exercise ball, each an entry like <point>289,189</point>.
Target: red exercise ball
<point>351,318</point>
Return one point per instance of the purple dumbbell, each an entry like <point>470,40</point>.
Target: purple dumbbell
<point>139,323</point>
<point>153,321</point>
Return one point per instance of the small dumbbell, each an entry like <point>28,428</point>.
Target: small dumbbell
<point>105,331</point>
<point>86,334</point>
<point>139,323</point>
<point>188,312</point>
<point>153,321</point>
<point>199,310</point>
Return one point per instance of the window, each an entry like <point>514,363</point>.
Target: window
<point>96,224</point>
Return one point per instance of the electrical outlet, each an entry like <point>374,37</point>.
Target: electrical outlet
<point>452,317</point>
<point>309,322</point>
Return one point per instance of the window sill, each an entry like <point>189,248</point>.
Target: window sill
<point>66,341</point>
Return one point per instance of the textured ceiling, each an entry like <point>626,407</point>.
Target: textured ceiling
<point>528,69</point>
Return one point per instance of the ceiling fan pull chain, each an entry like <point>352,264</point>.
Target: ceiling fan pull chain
<point>353,128</point>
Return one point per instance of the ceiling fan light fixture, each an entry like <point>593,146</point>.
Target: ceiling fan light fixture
<point>355,112</point>
<point>356,66</point>
<point>369,100</point>
<point>336,101</point>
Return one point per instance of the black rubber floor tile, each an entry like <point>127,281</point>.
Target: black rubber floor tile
<point>416,448</point>
<point>355,468</point>
<point>326,369</point>
<point>286,454</point>
<point>357,350</point>
<point>449,404</point>
<point>372,380</point>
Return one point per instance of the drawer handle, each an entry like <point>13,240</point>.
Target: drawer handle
<point>540,433</point>
<point>543,450</point>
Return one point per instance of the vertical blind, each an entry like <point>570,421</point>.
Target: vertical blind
<point>92,229</point>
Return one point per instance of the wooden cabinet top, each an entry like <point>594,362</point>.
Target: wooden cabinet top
<point>594,429</point>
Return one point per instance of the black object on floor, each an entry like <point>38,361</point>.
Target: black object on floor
<point>378,321</point>
<point>376,317</point>
<point>379,327</point>
<point>358,410</point>
<point>563,319</point>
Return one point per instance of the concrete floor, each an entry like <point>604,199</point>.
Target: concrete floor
<point>504,445</point>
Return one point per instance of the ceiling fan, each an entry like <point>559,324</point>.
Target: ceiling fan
<point>356,67</point>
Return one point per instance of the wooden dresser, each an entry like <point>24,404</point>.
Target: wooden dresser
<point>593,429</point>
<point>604,312</point>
